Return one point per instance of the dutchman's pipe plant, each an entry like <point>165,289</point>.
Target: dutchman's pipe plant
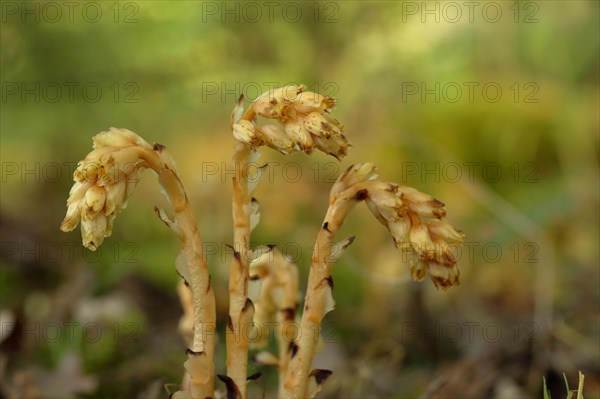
<point>106,178</point>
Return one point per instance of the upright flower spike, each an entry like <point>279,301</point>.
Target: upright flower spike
<point>302,123</point>
<point>104,181</point>
<point>402,210</point>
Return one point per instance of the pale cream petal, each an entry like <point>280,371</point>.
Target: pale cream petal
<point>245,131</point>
<point>354,174</point>
<point>78,191</point>
<point>296,131</point>
<point>276,138</point>
<point>94,200</point>
<point>336,147</point>
<point>119,138</point>
<point>309,101</point>
<point>443,276</point>
<point>421,241</point>
<point>93,231</point>
<point>71,220</point>
<point>400,229</point>
<point>440,229</point>
<point>319,125</point>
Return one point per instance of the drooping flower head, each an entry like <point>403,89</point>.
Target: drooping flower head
<point>304,120</point>
<point>104,181</point>
<point>414,219</point>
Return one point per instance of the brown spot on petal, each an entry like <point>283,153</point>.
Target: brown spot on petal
<point>289,313</point>
<point>229,323</point>
<point>445,283</point>
<point>158,147</point>
<point>326,129</point>
<point>448,258</point>
<point>439,213</point>
<point>361,195</point>
<point>326,226</point>
<point>330,282</point>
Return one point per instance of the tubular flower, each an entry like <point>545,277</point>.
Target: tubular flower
<point>104,181</point>
<point>305,121</point>
<point>414,219</point>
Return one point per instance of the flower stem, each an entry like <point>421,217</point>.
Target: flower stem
<point>240,307</point>
<point>200,364</point>
<point>318,300</point>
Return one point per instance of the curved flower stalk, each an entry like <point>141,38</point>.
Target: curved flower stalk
<point>104,181</point>
<point>275,305</point>
<point>305,123</point>
<point>416,222</point>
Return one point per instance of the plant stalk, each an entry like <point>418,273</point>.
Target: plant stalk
<point>200,364</point>
<point>318,300</point>
<point>241,309</point>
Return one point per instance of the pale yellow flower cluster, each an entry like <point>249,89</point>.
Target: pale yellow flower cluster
<point>415,220</point>
<point>104,181</point>
<point>305,121</point>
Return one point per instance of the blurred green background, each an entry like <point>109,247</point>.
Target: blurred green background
<point>491,107</point>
